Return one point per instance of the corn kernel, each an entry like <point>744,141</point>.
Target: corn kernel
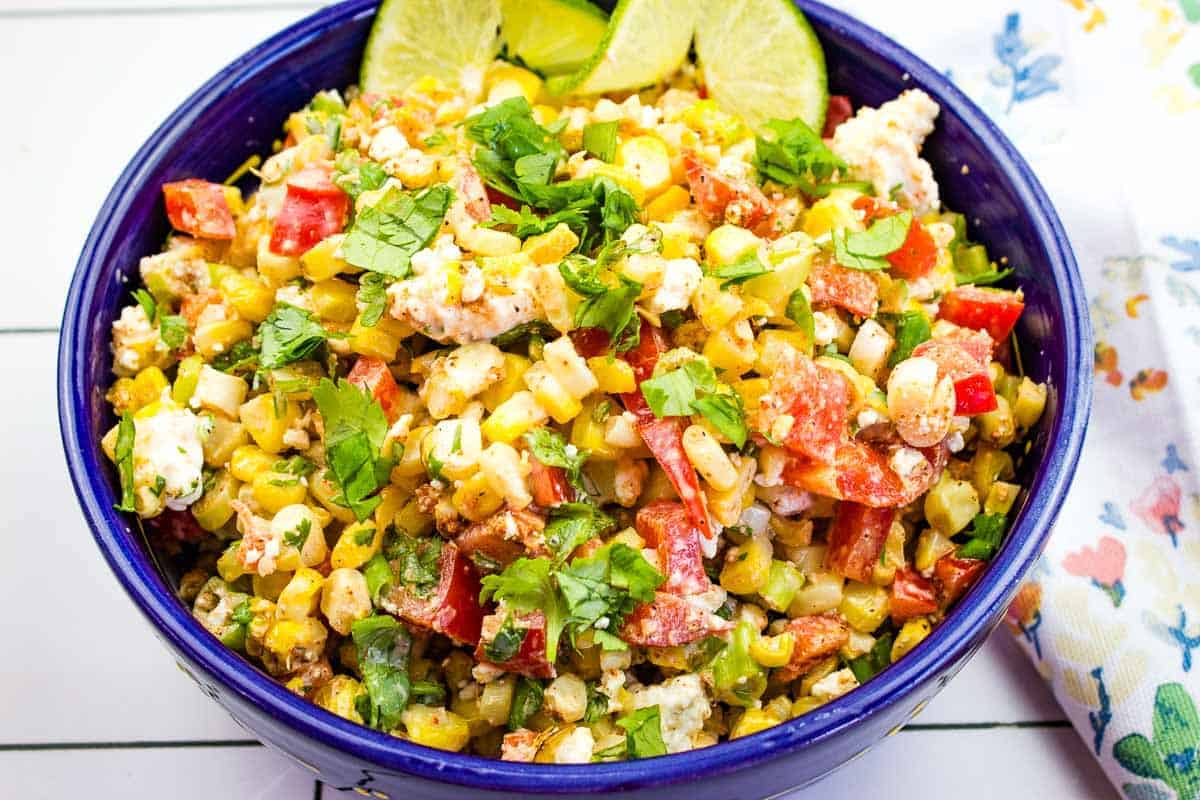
<point>747,566</point>
<point>552,246</point>
<point>513,381</point>
<point>727,243</point>
<point>436,727</point>
<point>286,635</point>
<point>911,634</point>
<point>951,505</point>
<point>1030,403</point>
<point>726,350</point>
<point>359,542</point>
<point>550,394</point>
<point>381,340</point>
<point>663,207</point>
<point>248,461</point>
<point>334,300</point>
<point>715,307</point>
<point>822,591</point>
<point>864,606</point>
<point>321,262</point>
<point>614,375</point>
<point>344,599</point>
<point>214,338</point>
<point>251,298</point>
<point>751,721</point>
<point>773,651</point>
<point>475,499</point>
<point>266,424</point>
<point>528,84</point>
<point>340,696</point>
<point>277,490</point>
<point>648,161</point>
<point>301,595</point>
<point>268,587</point>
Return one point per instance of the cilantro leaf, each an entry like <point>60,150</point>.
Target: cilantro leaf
<point>987,532</point>
<point>242,357</point>
<point>643,733</point>
<point>871,663</point>
<point>727,415</point>
<point>174,330</point>
<point>147,302</point>
<point>289,334</point>
<point>526,223</point>
<point>372,295</point>
<point>526,585</point>
<point>385,236</point>
<point>527,701</point>
<point>600,139</point>
<point>549,447</point>
<point>852,260</point>
<point>792,154</point>
<point>613,311</point>
<point>572,524</point>
<point>355,175</point>
<point>672,393</point>
<point>740,271</point>
<point>506,643</point>
<point>597,704</point>
<point>800,312</point>
<point>416,561</point>
<point>123,455</point>
<point>912,328</point>
<point>514,150</point>
<point>629,570</point>
<point>600,591</point>
<point>383,646</point>
<point>355,426</point>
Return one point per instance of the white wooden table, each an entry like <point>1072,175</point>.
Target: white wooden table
<point>90,703</point>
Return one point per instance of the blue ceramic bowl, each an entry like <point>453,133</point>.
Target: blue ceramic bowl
<point>239,112</point>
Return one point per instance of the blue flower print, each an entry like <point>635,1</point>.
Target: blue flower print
<point>1190,248</point>
<point>1026,81</point>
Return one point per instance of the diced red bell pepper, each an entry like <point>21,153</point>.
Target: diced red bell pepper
<point>974,394</point>
<point>472,192</point>
<point>917,256</point>
<point>955,575</point>
<point>972,384</point>
<point>983,308</point>
<point>549,485</point>
<point>669,621</point>
<point>856,539</point>
<point>816,398</point>
<point>723,199</point>
<point>817,637</point>
<point>652,343</point>
<point>666,526</point>
<point>452,608</point>
<point>373,376</point>
<point>912,596</point>
<point>837,111</point>
<point>530,658</point>
<point>313,208</point>
<point>834,285</point>
<point>199,208</point>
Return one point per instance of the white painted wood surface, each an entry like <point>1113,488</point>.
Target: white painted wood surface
<point>90,703</point>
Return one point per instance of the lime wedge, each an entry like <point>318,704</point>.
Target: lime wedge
<point>761,60</point>
<point>646,41</point>
<point>452,40</point>
<point>552,36</point>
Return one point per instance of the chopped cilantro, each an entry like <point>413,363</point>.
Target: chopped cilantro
<point>507,642</point>
<point>416,561</point>
<point>288,335</point>
<point>741,270</point>
<point>355,175</point>
<point>597,704</point>
<point>912,328</point>
<point>524,331</point>
<point>865,250</point>
<point>147,302</point>
<point>386,235</point>
<point>800,312</point>
<point>527,585</point>
<point>874,660</point>
<point>242,357</point>
<point>123,455</point>
<point>299,535</point>
<point>572,524</point>
<point>693,389</point>
<point>643,733</point>
<point>372,296</point>
<point>355,426</point>
<point>987,532</point>
<point>792,154</point>
<point>527,223</point>
<point>174,330</point>
<point>549,447</point>
<point>383,646</point>
<point>527,701</point>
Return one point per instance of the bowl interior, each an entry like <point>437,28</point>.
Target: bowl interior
<point>240,113</point>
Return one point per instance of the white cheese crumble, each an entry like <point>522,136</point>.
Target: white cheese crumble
<point>682,706</point>
<point>680,279</point>
<point>169,445</point>
<point>576,747</point>
<point>136,343</point>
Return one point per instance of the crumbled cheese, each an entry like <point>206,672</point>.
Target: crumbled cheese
<point>443,251</point>
<point>825,328</point>
<point>834,685</point>
<point>905,461</point>
<point>680,279</point>
<point>955,442</point>
<point>576,747</point>
<point>682,706</point>
<point>476,315</point>
<point>460,376</point>
<point>169,445</point>
<point>868,417</point>
<point>294,296</point>
<point>388,143</point>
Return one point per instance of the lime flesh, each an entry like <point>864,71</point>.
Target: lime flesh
<point>552,36</point>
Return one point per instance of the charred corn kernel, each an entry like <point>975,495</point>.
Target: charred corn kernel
<point>1000,497</point>
<point>515,367</point>
<point>322,262</point>
<point>475,499</point>
<point>673,658</point>
<point>357,544</point>
<point>529,84</point>
<point>213,338</point>
<point>215,508</point>
<point>569,368</point>
<point>792,532</point>
<point>773,346</point>
<point>648,161</point>
<point>268,587</point>
<point>864,606</point>
<point>730,352</point>
<point>709,120</point>
<point>911,634</point>
<point>663,207</point>
<point>998,427</point>
<point>218,391</point>
<point>783,581</point>
<point>726,507</point>
<point>709,459</point>
<point>228,565</point>
<point>751,721</point>
<point>751,390</point>
<point>344,599</point>
<point>277,270</point>
<point>247,461</point>
<point>552,246</point>
<point>822,591</point>
<point>989,465</point>
<point>381,340</point>
<point>951,505</point>
<point>891,558</point>
<point>495,700</point>
<point>831,213</point>
<point>250,297</point>
<point>566,697</point>
<point>277,490</point>
<point>613,375</point>
<point>265,423</point>
<point>871,348</point>
<point>715,307</point>
<point>340,696</point>
<point>301,533</point>
<point>410,463</point>
<point>301,595</point>
<point>334,300</point>
<point>932,544</point>
<point>727,243</point>
<point>1030,403</point>
<point>550,394</point>
<point>148,386</point>
<point>806,704</point>
<point>413,521</point>
<point>286,635</point>
<point>747,566</point>
<point>773,651</point>
<point>436,727</point>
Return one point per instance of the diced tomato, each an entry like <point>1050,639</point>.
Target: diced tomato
<point>953,361</point>
<point>313,208</point>
<point>912,596</point>
<point>817,637</point>
<point>666,526</point>
<point>856,539</point>
<point>837,111</point>
<point>723,199</point>
<point>669,621</point>
<point>861,474</point>
<point>917,256</point>
<point>590,342</point>
<point>652,343</point>
<point>974,394</point>
<point>452,608</point>
<point>872,209</point>
<point>199,208</point>
<point>472,192</point>
<point>177,526</point>
<point>955,575</point>
<point>530,658</point>
<point>983,308</point>
<point>816,398</point>
<point>549,485</point>
<point>372,375</point>
<point>834,285</point>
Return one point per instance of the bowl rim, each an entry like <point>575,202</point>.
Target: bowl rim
<point>959,634</point>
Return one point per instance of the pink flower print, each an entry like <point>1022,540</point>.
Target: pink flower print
<point>1159,507</point>
<point>1104,564</point>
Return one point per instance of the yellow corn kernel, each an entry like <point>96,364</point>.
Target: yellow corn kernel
<point>513,381</point>
<point>821,592</point>
<point>727,507</point>
<point>250,297</point>
<point>989,465</point>
<point>727,243</point>
<point>266,424</point>
<point>528,84</point>
<point>673,658</point>
<point>228,565</point>
<point>729,352</point>
<point>276,269</point>
<point>285,635</point>
<point>910,635</point>
<point>334,300</point>
<point>359,542</point>
<point>588,434</point>
<point>340,696</point>
<point>276,490</point>
<point>804,705</point>
<point>709,459</point>
<point>673,199</point>
<point>268,587</point>
<point>569,368</point>
<point>1000,497</point>
<point>715,307</point>
<point>436,727</point>
<point>148,386</point>
<point>712,122</point>
<point>831,213</point>
<point>247,461</point>
<point>891,558</point>
<point>345,598</point>
<point>215,508</point>
<point>1030,403</point>
<point>391,500</point>
<point>932,544</point>
<point>999,427</point>
<point>864,606</point>
<point>747,566</point>
<point>676,239</point>
<point>214,338</point>
<point>552,246</point>
<point>647,159</point>
<point>550,394</point>
<point>751,721</point>
<point>381,340</point>
<point>951,505</point>
<point>751,390</point>
<point>475,499</point>
<point>614,375</point>
<point>299,599</point>
<point>773,651</point>
<point>772,346</point>
<point>120,394</point>
<point>321,262</point>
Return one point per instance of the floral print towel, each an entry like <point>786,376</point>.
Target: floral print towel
<point>1103,98</point>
